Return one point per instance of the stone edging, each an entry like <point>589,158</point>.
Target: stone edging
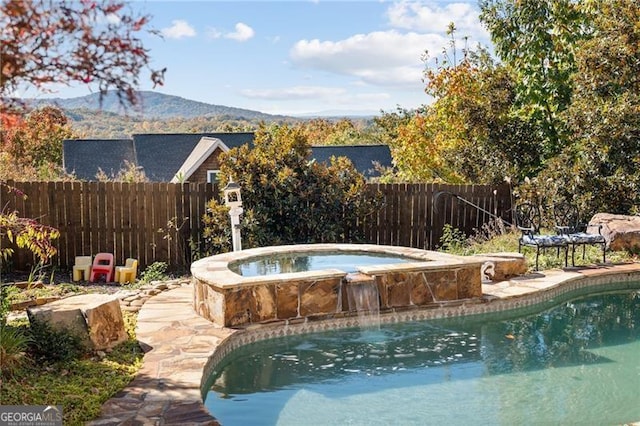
<point>132,300</point>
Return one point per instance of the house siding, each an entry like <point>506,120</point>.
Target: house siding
<point>211,163</point>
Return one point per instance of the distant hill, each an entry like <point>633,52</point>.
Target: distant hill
<point>154,106</point>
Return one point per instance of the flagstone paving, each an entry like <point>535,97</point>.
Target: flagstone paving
<point>179,343</point>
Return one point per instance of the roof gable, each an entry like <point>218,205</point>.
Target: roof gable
<point>200,153</point>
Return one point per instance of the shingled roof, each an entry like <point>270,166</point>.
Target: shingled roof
<point>363,157</point>
<point>161,156</point>
<point>86,157</point>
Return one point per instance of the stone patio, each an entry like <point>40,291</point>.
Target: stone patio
<point>181,345</point>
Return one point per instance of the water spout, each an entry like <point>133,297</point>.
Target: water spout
<point>364,298</point>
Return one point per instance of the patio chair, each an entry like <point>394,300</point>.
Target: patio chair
<point>127,273</point>
<point>568,225</point>
<point>528,221</point>
<point>102,266</point>
<point>82,268</point>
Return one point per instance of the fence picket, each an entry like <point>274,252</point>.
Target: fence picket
<point>124,218</point>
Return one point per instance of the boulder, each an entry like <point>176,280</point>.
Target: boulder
<point>505,265</point>
<point>620,231</point>
<point>95,318</point>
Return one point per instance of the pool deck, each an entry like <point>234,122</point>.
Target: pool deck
<point>179,344</point>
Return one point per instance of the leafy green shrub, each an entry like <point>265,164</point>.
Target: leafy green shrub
<point>7,293</point>
<point>452,239</point>
<point>13,344</point>
<point>50,344</point>
<point>157,271</point>
<point>216,234</point>
<point>288,198</point>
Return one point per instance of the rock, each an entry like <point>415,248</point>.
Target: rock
<point>95,318</point>
<point>138,302</point>
<point>621,232</point>
<point>506,265</point>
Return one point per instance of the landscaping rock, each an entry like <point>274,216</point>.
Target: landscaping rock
<point>621,232</point>
<point>506,265</point>
<point>95,318</point>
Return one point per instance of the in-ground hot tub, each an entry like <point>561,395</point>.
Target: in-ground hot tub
<point>402,278</point>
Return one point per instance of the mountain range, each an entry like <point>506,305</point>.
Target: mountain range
<point>153,105</point>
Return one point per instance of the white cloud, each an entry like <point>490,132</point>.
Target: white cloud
<point>393,57</point>
<point>179,29</point>
<point>213,33</point>
<point>380,58</point>
<point>299,99</point>
<point>112,18</point>
<point>428,17</point>
<point>242,32</point>
<point>293,93</point>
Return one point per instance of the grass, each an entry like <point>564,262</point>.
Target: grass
<point>30,293</point>
<point>495,239</point>
<point>80,386</point>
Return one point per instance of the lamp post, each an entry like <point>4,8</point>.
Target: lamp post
<point>233,200</point>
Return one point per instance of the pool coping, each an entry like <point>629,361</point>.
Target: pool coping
<point>182,347</point>
<point>216,271</point>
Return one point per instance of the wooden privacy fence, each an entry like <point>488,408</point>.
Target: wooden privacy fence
<point>414,215</point>
<point>154,222</point>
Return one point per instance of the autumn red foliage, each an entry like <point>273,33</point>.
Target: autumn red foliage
<point>47,42</point>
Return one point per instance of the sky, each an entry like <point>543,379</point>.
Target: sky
<point>300,57</point>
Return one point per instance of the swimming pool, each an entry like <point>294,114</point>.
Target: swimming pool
<point>577,362</point>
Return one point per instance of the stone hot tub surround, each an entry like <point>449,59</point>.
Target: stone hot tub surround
<point>231,300</point>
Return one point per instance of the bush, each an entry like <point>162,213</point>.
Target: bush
<point>452,239</point>
<point>157,271</point>
<point>288,198</point>
<point>50,344</point>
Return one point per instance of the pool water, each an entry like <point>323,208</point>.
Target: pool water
<point>576,363</point>
<point>300,262</point>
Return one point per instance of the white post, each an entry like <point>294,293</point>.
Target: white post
<point>233,200</point>
<point>236,238</point>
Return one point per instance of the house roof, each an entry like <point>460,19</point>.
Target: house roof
<point>86,157</point>
<point>362,156</point>
<point>162,156</point>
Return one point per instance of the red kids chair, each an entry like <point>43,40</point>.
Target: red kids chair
<point>102,265</point>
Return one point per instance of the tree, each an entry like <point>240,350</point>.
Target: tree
<point>468,134</point>
<point>537,40</point>
<point>600,168</point>
<point>67,41</point>
<point>321,131</point>
<point>31,147</point>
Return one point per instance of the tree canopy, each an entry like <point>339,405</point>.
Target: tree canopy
<point>31,146</point>
<point>46,42</point>
<point>537,40</point>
